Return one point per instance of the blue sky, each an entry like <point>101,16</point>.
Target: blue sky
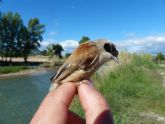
<point>134,25</point>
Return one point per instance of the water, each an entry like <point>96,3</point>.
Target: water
<point>20,97</point>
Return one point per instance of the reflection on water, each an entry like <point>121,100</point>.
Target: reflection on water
<point>20,97</point>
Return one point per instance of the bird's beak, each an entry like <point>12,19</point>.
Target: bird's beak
<point>115,59</point>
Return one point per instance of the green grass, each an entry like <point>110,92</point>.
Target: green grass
<point>11,69</point>
<point>131,89</point>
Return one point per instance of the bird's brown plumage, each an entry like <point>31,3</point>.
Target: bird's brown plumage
<point>76,69</point>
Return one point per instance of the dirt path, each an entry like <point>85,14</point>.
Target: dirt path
<point>162,72</point>
<point>152,115</point>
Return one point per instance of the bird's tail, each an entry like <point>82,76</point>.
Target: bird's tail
<point>53,86</point>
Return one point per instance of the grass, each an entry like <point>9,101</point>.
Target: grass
<point>132,88</point>
<point>12,69</point>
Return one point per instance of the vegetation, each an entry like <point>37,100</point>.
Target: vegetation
<point>67,55</point>
<point>84,39</point>
<point>54,49</point>
<point>16,39</point>
<point>12,69</point>
<point>160,56</point>
<point>130,89</point>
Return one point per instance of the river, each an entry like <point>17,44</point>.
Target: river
<point>20,97</point>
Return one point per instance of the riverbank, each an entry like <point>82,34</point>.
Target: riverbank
<point>36,70</point>
<point>35,64</point>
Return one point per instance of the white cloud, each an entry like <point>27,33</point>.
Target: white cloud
<point>68,45</point>
<point>149,44</point>
<point>46,42</point>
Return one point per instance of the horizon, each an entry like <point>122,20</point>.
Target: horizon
<point>135,26</point>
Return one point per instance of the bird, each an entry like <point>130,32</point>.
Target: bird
<point>84,61</point>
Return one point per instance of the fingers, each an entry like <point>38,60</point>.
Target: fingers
<point>54,108</point>
<point>94,104</point>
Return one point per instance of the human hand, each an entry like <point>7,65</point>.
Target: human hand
<point>54,108</point>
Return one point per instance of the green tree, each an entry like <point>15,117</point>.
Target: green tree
<point>1,41</point>
<point>84,39</point>
<point>160,56</point>
<point>10,25</point>
<point>67,55</point>
<point>23,43</point>
<point>49,50</point>
<point>43,52</point>
<point>55,49</point>
<point>29,38</point>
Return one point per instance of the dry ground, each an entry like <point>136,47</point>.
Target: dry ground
<point>31,59</point>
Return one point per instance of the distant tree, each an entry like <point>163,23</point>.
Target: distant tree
<point>1,40</point>
<point>23,43</point>
<point>84,39</point>
<point>160,56</point>
<point>29,38</point>
<point>43,52</point>
<point>55,49</point>
<point>49,50</point>
<point>10,25</point>
<point>67,55</point>
<point>0,11</point>
<point>18,40</point>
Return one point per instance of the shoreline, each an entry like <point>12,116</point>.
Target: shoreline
<point>29,71</point>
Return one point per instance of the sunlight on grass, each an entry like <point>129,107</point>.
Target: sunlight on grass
<point>12,69</point>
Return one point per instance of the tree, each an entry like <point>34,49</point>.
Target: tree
<point>43,52</point>
<point>0,11</point>
<point>49,50</point>
<point>23,43</point>
<point>18,40</point>
<point>55,49</point>
<point>84,39</point>
<point>67,55</point>
<point>29,38</point>
<point>1,40</point>
<point>10,25</point>
<point>160,56</point>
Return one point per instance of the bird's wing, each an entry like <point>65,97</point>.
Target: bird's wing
<point>84,60</point>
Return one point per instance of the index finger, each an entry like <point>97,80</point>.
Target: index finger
<point>55,103</point>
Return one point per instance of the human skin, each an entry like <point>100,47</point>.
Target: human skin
<point>54,107</point>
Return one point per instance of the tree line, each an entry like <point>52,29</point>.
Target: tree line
<point>17,39</point>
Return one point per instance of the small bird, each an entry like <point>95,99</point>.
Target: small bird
<point>84,61</point>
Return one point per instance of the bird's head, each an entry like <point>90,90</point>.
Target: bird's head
<point>107,50</point>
